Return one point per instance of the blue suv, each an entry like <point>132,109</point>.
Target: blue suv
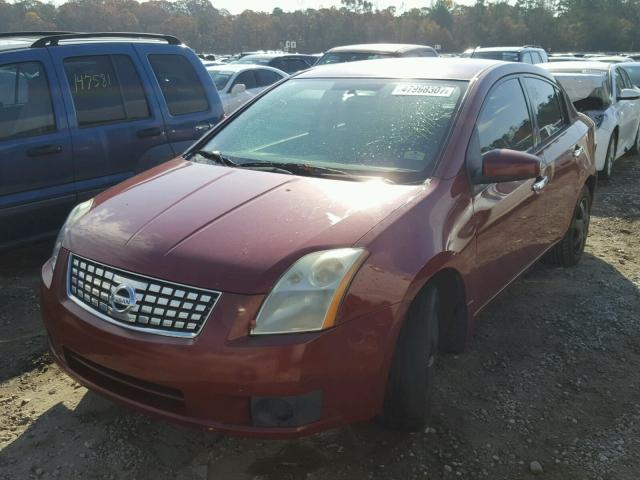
<point>80,112</point>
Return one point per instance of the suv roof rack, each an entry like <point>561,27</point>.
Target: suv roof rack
<point>53,40</point>
<point>532,46</point>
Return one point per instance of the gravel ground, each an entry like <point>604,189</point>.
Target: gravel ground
<point>550,385</point>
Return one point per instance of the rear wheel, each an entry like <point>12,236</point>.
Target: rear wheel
<point>607,171</point>
<point>570,249</point>
<point>407,404</point>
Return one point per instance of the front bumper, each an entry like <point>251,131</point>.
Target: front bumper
<point>222,378</point>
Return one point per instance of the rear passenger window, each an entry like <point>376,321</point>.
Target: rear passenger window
<point>526,57</point>
<point>105,89</point>
<point>547,106</point>
<point>264,78</point>
<point>292,65</point>
<point>180,84</point>
<point>25,101</point>
<point>536,57</point>
<point>504,121</point>
<point>135,102</point>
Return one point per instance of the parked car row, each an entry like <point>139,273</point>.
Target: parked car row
<point>606,93</point>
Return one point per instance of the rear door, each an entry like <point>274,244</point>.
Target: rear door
<point>36,161</point>
<point>116,126</point>
<point>561,144</point>
<point>189,99</point>
<point>508,215</point>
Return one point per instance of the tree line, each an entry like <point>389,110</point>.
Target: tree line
<point>558,25</point>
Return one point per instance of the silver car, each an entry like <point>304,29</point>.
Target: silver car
<point>238,83</point>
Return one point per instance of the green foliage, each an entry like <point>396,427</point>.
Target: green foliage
<point>555,24</point>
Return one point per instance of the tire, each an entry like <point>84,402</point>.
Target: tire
<point>407,404</point>
<point>570,249</point>
<point>607,170</point>
<point>635,150</point>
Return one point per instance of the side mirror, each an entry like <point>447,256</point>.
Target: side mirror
<point>629,94</point>
<point>504,165</point>
<point>238,88</point>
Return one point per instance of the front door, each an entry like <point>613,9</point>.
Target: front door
<point>509,215</point>
<point>36,161</point>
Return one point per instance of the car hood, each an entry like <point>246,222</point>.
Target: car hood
<point>232,230</point>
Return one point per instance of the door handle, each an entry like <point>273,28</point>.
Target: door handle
<point>577,151</point>
<point>539,184</point>
<point>149,132</point>
<point>203,127</point>
<point>44,150</point>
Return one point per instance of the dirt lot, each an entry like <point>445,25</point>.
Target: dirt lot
<point>552,377</point>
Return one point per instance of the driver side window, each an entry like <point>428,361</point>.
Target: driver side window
<point>504,122</point>
<point>247,78</point>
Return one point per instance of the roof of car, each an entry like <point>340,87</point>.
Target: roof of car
<point>415,67</point>
<point>273,55</point>
<point>506,49</point>
<point>568,66</point>
<point>377,48</point>
<point>241,67</point>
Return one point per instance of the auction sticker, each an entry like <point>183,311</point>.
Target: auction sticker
<point>421,90</point>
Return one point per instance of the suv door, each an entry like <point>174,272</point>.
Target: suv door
<point>562,145</point>
<point>508,215</point>
<point>36,162</point>
<point>115,124</point>
<point>190,102</point>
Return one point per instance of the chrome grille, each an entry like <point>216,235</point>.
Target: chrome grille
<point>160,307</point>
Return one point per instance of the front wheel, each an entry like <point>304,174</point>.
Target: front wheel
<point>407,404</point>
<point>570,249</point>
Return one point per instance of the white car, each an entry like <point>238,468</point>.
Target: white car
<point>604,92</point>
<point>238,83</point>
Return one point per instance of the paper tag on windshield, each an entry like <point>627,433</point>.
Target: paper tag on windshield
<point>420,90</point>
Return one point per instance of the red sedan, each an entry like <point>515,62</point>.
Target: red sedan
<point>301,265</point>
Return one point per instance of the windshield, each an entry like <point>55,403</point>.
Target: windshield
<point>634,73</point>
<point>342,57</point>
<point>504,56</point>
<point>586,91</point>
<point>220,79</point>
<point>381,127</point>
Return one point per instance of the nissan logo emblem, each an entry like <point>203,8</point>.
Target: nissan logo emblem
<point>122,298</point>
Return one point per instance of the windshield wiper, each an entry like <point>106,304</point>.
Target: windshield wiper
<point>298,168</point>
<point>217,157</point>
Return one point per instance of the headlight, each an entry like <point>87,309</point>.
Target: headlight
<point>307,296</point>
<point>77,213</point>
